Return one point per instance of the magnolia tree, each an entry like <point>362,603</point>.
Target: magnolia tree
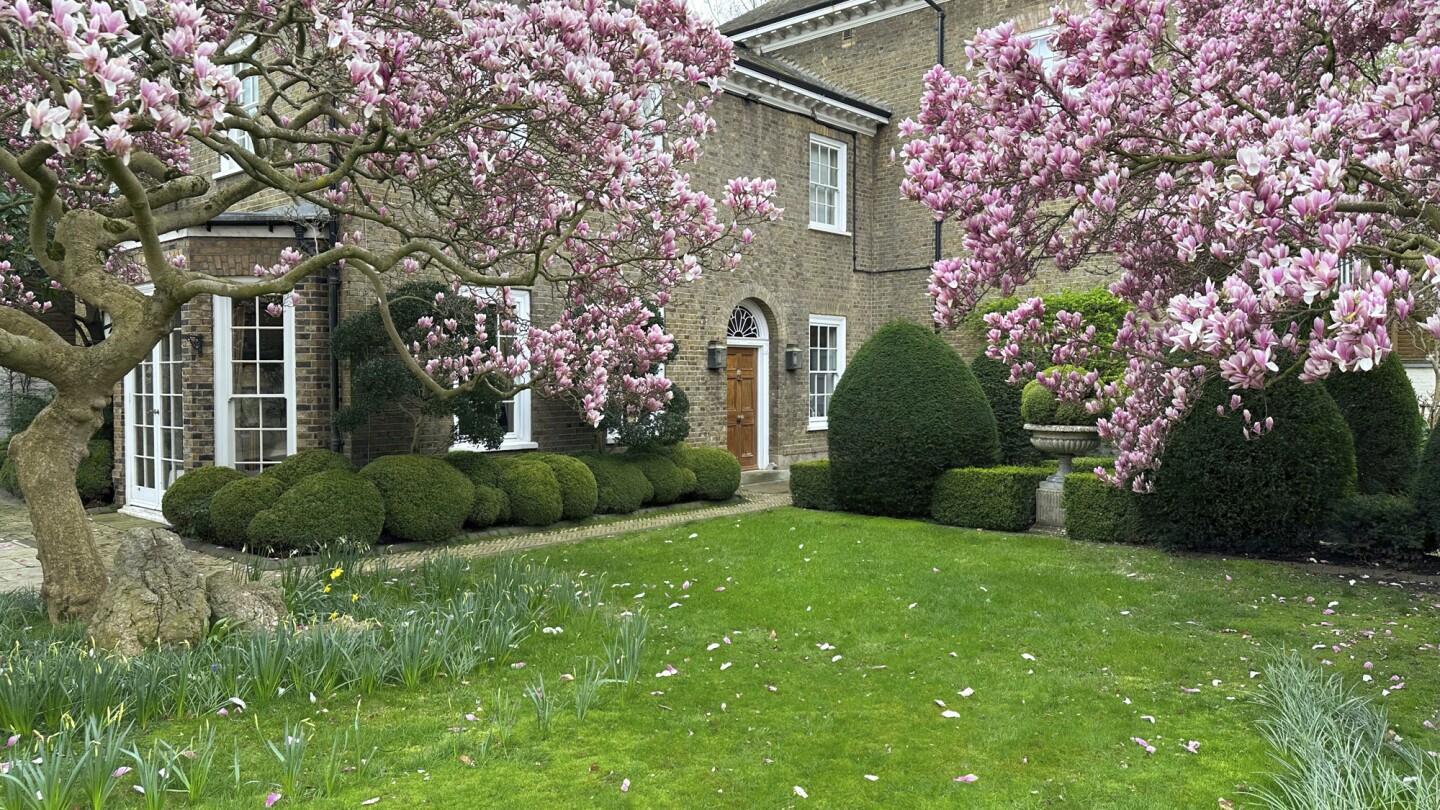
<point>1265,177</point>
<point>493,145</point>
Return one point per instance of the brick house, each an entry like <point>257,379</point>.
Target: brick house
<point>814,101</point>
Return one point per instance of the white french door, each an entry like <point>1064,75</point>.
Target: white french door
<point>154,424</point>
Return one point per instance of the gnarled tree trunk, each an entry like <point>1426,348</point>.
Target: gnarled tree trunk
<point>46,457</point>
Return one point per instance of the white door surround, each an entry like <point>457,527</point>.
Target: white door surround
<point>747,327</point>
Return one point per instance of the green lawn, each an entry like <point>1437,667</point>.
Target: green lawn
<point>1069,649</point>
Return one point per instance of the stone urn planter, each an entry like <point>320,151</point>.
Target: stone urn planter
<point>1065,442</point>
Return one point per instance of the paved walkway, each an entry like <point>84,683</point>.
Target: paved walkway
<point>20,570</point>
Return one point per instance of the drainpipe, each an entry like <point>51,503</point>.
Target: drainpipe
<point>939,60</point>
<point>853,193</point>
<point>337,439</point>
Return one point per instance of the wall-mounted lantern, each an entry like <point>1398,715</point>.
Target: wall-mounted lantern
<point>792,357</point>
<point>715,356</point>
<point>197,345</point>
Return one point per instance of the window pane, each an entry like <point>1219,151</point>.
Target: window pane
<point>247,413</point>
<point>272,344</point>
<point>274,412</point>
<point>245,378</point>
<point>272,378</point>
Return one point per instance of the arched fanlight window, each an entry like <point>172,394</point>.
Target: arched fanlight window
<point>743,323</point>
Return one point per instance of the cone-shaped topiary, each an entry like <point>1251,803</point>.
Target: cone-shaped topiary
<point>426,500</point>
<point>578,489</point>
<point>1004,399</point>
<point>906,410</point>
<point>1216,490</point>
<point>1426,489</point>
<point>335,509</point>
<point>307,463</point>
<point>237,503</point>
<point>186,504</point>
<point>1384,418</point>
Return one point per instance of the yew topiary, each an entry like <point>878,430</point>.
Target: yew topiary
<point>1384,419</point>
<point>907,409</point>
<point>1004,399</point>
<point>1426,490</point>
<point>1217,490</point>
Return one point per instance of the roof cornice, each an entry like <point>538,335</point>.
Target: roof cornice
<point>817,21</point>
<point>751,81</point>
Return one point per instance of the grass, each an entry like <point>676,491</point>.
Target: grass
<point>915,614</point>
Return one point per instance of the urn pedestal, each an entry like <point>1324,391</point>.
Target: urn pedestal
<point>1065,442</point>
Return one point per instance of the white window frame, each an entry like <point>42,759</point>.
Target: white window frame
<point>225,380</point>
<point>519,437</point>
<point>1040,41</point>
<point>837,322</point>
<point>842,194</point>
<point>250,100</point>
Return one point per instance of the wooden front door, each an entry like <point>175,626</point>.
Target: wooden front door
<point>742,388</point>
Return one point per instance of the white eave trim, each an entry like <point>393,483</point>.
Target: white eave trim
<point>747,83</point>
<point>225,230</point>
<point>833,19</point>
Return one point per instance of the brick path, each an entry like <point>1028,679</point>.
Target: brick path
<point>20,570</point>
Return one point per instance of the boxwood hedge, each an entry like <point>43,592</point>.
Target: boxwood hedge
<point>328,510</point>
<point>810,485</point>
<point>533,492</point>
<point>579,493</point>
<point>426,500</point>
<point>717,472</point>
<point>186,504</point>
<point>234,505</point>
<point>997,498</point>
<point>620,487</point>
<point>306,463</point>
<point>1097,512</point>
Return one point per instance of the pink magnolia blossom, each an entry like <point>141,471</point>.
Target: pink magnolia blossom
<point>1263,177</point>
<point>497,145</point>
